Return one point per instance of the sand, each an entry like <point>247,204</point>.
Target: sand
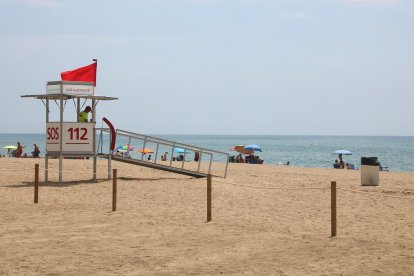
<point>275,221</point>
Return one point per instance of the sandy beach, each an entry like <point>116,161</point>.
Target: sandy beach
<point>266,220</point>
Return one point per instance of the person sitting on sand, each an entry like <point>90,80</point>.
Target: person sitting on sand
<point>258,160</point>
<point>164,156</point>
<point>249,158</point>
<point>341,164</point>
<point>180,157</point>
<point>239,159</point>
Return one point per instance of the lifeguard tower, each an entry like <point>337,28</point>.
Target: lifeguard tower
<point>67,137</point>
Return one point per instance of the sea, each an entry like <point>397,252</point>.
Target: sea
<point>394,152</point>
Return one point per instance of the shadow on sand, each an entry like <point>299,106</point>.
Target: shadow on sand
<point>65,184</point>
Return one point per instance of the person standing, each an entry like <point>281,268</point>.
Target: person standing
<point>83,115</point>
<point>164,156</point>
<point>36,151</point>
<point>196,156</point>
<point>19,150</point>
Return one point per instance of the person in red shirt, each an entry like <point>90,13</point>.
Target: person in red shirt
<point>19,150</point>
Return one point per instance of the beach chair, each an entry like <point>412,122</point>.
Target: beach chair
<point>336,166</point>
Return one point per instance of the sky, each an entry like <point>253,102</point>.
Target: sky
<point>225,67</point>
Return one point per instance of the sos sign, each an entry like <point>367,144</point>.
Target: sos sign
<point>75,137</point>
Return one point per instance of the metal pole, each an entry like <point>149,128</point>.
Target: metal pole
<point>36,184</point>
<point>109,166</point>
<point>94,138</point>
<point>61,136</point>
<point>143,148</point>
<point>109,157</point>
<point>199,161</point>
<point>129,144</point>
<point>227,165</point>
<point>46,155</point>
<point>94,167</point>
<point>156,153</point>
<point>46,168</point>
<point>182,164</point>
<point>77,110</point>
<point>211,160</point>
<point>114,190</point>
<point>209,190</point>
<point>101,141</point>
<point>333,208</point>
<point>172,153</point>
<point>60,168</point>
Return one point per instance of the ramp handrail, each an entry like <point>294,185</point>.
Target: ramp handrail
<point>171,146</point>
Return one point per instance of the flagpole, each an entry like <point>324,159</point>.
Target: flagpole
<point>94,122</point>
<point>96,72</point>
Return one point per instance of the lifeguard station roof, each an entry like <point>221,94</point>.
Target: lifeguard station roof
<point>66,97</point>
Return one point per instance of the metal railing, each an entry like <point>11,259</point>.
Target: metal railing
<point>164,152</point>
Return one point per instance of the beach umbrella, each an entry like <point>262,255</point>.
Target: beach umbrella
<point>342,151</point>
<point>125,147</point>
<point>145,150</point>
<point>241,149</point>
<point>180,150</point>
<point>253,147</point>
<point>10,147</point>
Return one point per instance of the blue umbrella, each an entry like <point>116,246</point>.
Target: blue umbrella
<point>180,150</point>
<point>341,151</point>
<point>253,147</point>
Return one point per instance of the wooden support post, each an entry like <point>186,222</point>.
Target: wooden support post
<point>36,184</point>
<point>114,177</point>
<point>208,197</point>
<point>333,208</point>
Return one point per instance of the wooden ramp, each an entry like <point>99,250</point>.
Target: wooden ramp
<point>158,166</point>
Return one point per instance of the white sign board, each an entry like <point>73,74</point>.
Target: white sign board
<point>76,138</point>
<point>70,88</point>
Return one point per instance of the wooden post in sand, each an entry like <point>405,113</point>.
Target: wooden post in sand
<point>114,176</point>
<point>333,208</point>
<point>36,184</point>
<point>208,197</point>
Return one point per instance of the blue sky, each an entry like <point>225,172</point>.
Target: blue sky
<point>299,67</point>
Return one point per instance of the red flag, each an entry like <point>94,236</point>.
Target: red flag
<point>86,73</point>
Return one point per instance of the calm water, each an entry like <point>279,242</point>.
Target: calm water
<point>397,153</point>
